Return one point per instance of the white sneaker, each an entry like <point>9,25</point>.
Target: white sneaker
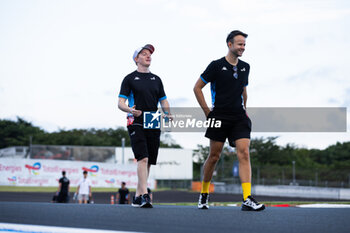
<point>250,204</point>
<point>203,201</point>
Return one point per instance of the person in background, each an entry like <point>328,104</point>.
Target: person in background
<point>149,191</point>
<point>84,189</point>
<point>123,195</point>
<point>54,198</point>
<point>63,189</point>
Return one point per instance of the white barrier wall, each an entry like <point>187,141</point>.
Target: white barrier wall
<point>31,172</point>
<point>288,191</point>
<point>172,164</point>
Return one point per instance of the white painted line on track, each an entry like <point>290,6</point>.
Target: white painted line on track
<point>23,228</point>
<point>325,205</point>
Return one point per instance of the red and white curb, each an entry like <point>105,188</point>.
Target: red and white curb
<point>317,205</point>
<point>320,205</point>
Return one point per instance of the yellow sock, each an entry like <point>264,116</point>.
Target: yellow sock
<point>247,189</point>
<point>205,187</point>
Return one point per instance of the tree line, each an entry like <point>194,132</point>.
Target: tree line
<point>274,162</point>
<point>19,132</point>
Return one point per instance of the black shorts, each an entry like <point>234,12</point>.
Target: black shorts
<point>144,143</point>
<point>233,127</point>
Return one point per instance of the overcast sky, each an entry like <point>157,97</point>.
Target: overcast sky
<point>62,62</point>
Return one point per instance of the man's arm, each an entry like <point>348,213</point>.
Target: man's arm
<point>117,197</point>
<point>245,97</point>
<point>59,187</point>
<point>125,108</point>
<point>200,97</point>
<point>127,197</point>
<point>166,108</point>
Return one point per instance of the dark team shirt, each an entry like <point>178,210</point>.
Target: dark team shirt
<point>123,193</point>
<point>144,90</point>
<point>64,184</point>
<point>226,90</point>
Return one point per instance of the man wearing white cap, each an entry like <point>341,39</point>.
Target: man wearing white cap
<point>143,90</point>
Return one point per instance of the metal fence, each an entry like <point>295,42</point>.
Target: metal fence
<point>174,184</point>
<point>287,175</point>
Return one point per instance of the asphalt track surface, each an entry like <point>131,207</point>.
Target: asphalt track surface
<point>35,209</point>
<point>176,218</point>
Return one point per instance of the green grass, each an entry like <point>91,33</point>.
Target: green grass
<point>27,189</point>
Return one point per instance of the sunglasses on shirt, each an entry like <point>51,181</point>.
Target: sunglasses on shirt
<point>235,74</point>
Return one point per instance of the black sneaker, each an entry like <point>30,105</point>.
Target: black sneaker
<point>203,201</point>
<point>146,201</point>
<point>250,204</point>
<point>136,201</point>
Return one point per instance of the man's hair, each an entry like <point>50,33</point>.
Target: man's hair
<point>63,173</point>
<point>85,172</point>
<point>233,34</point>
<point>123,183</point>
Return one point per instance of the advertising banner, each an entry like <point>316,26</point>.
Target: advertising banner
<point>36,172</point>
<point>172,163</point>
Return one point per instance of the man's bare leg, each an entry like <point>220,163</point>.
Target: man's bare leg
<point>213,158</point>
<point>242,148</point>
<point>142,175</point>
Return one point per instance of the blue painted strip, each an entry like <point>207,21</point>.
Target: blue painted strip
<point>19,231</point>
<point>24,228</point>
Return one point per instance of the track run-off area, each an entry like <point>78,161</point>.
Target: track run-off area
<point>49,217</point>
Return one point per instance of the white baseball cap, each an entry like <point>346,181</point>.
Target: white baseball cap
<point>137,51</point>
